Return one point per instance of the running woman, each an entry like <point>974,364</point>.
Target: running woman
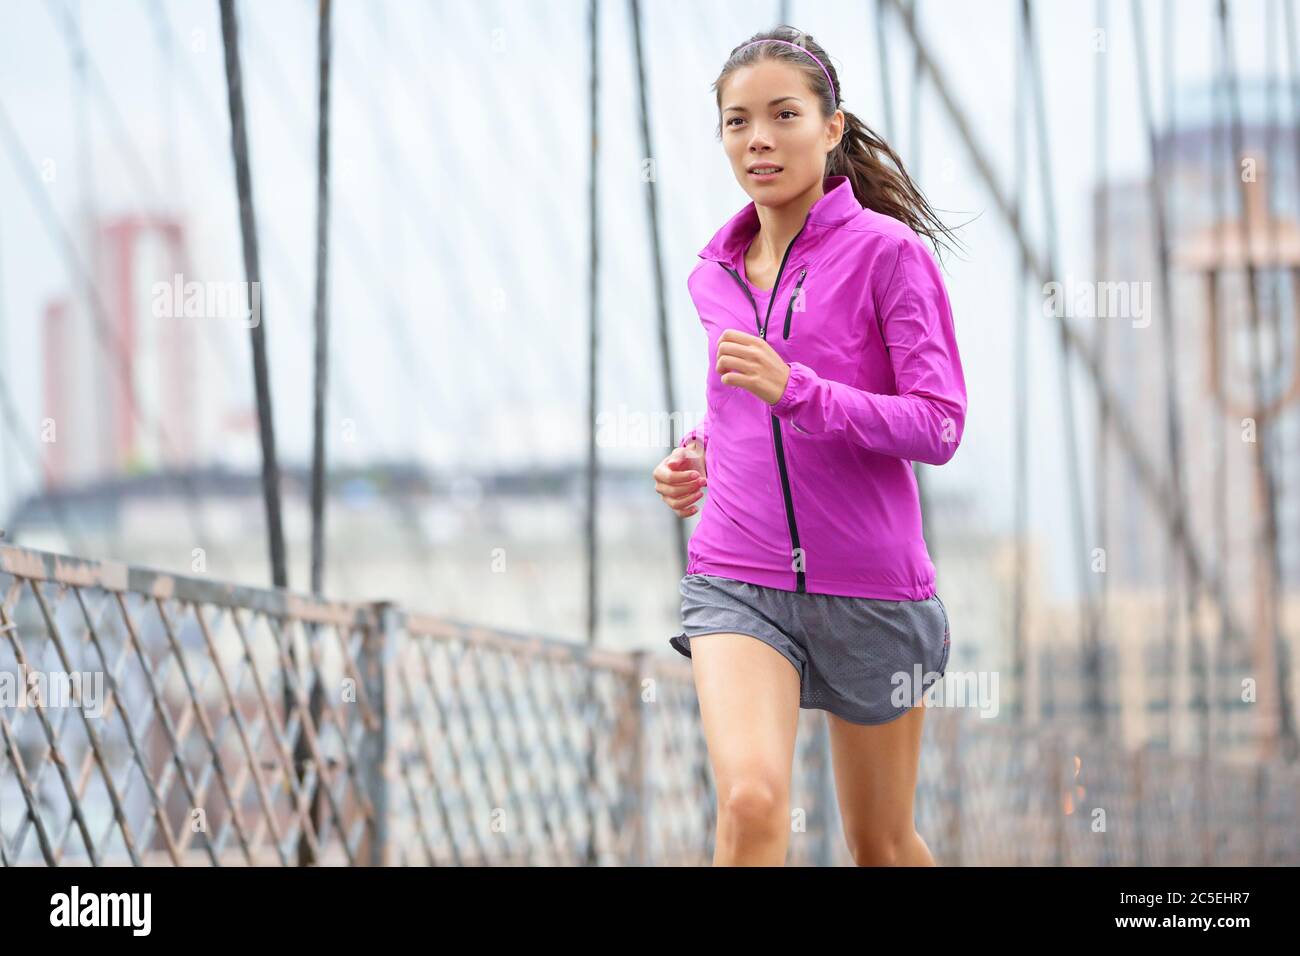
<point>834,367</point>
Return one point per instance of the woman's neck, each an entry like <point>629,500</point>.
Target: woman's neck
<point>778,225</point>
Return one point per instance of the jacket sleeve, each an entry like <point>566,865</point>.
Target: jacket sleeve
<point>699,433</point>
<point>925,420</point>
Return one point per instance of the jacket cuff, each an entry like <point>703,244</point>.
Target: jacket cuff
<point>796,388</point>
<point>694,435</point>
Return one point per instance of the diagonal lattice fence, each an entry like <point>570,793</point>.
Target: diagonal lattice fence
<point>163,719</point>
<point>149,718</point>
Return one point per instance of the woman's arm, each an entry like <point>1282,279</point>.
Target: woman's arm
<point>924,421</point>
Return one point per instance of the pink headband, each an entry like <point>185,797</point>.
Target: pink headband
<point>805,50</point>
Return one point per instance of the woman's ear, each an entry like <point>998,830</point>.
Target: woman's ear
<point>836,130</point>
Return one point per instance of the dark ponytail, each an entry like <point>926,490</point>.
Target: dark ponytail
<point>861,153</point>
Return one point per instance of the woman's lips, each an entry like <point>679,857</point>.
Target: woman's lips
<point>765,177</point>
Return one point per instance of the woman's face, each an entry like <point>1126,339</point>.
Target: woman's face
<point>770,116</point>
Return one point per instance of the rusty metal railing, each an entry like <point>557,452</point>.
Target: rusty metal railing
<point>167,719</point>
<point>516,750</point>
<point>160,715</point>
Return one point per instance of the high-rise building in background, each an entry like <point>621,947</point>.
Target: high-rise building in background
<point>119,381</point>
<point>1210,199</point>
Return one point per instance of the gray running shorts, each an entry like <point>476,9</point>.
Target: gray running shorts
<point>859,658</point>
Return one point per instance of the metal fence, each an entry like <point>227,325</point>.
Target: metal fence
<point>151,718</point>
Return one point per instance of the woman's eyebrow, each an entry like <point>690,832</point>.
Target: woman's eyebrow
<point>779,99</point>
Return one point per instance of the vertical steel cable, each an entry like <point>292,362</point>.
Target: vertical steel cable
<point>1173,427</point>
<point>1020,475</point>
<point>593,339</point>
<point>1285,723</point>
<point>253,268</point>
<point>1101,259</point>
<point>321,352</point>
<point>1088,626</point>
<point>652,214</point>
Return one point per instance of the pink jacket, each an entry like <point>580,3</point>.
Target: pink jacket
<point>816,493</point>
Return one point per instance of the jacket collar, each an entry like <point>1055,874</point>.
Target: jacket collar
<point>836,206</point>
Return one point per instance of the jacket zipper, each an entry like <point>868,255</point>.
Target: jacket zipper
<point>777,445</point>
<point>789,309</point>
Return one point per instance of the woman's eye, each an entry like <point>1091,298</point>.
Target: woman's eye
<point>741,118</point>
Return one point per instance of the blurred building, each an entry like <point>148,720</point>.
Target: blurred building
<point>1209,198</point>
<point>122,389</point>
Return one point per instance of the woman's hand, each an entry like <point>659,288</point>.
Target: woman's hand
<point>748,362</point>
<point>680,479</point>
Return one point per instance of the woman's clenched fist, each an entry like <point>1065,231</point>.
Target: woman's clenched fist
<point>680,479</point>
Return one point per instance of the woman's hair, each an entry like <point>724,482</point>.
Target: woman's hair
<point>860,154</point>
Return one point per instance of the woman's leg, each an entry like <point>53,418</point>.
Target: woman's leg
<point>749,703</point>
<point>875,780</point>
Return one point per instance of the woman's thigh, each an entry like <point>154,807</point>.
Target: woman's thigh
<point>875,774</point>
<point>749,706</point>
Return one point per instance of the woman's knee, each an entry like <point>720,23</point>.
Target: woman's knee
<point>755,800</point>
<point>879,847</point>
